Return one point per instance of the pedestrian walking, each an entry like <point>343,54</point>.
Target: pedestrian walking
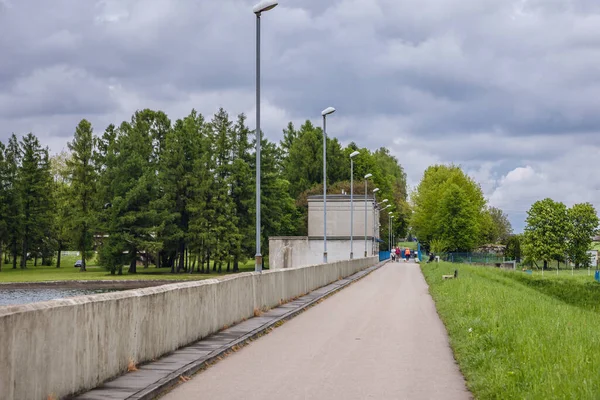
<point>397,254</point>
<point>407,254</point>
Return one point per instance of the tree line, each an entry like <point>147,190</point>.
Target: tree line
<point>554,232</point>
<point>451,214</point>
<point>178,195</point>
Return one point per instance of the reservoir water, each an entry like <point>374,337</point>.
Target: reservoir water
<point>24,296</point>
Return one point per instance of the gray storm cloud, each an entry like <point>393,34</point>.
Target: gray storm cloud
<point>498,86</point>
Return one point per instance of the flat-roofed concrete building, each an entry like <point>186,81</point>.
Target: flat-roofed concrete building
<point>297,251</point>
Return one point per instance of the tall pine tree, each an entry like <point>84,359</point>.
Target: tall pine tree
<point>35,192</point>
<point>242,191</point>
<point>3,202</point>
<point>133,221</point>
<point>14,215</point>
<point>83,189</point>
<point>184,146</point>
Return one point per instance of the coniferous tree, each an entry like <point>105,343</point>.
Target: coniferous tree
<point>45,240</point>
<point>200,208</point>
<point>14,216</point>
<point>134,221</point>
<point>34,190</point>
<point>63,216</point>
<point>279,215</point>
<point>4,187</point>
<point>82,191</point>
<point>105,161</point>
<point>224,227</point>
<point>289,137</point>
<point>243,191</point>
<point>183,147</point>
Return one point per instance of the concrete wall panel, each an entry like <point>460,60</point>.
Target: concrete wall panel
<point>62,347</point>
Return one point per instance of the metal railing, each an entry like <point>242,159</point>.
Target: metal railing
<point>384,255</point>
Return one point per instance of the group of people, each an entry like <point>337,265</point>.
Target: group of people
<point>397,254</point>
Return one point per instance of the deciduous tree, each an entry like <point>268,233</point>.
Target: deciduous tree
<point>583,223</point>
<point>448,205</point>
<point>546,231</point>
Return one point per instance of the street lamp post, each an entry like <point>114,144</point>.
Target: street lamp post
<point>354,154</point>
<point>258,9</point>
<point>385,208</point>
<point>375,205</point>
<point>325,113</point>
<point>384,201</point>
<point>390,230</point>
<point>367,176</point>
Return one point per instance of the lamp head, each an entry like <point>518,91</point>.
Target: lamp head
<point>367,176</point>
<point>354,154</point>
<point>327,111</point>
<point>264,5</point>
<point>385,200</point>
<point>375,190</point>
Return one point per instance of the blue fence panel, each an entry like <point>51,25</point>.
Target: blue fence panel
<point>384,255</point>
<point>597,276</point>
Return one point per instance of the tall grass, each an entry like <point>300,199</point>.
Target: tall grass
<point>519,337</point>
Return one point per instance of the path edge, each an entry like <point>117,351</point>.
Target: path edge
<point>167,383</point>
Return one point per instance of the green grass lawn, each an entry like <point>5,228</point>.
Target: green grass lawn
<point>517,336</point>
<point>410,245</point>
<point>68,273</point>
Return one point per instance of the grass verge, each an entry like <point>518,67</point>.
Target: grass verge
<point>410,245</point>
<point>515,337</point>
<point>68,273</point>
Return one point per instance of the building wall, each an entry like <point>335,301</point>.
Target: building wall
<point>338,216</point>
<point>300,251</point>
<point>61,347</point>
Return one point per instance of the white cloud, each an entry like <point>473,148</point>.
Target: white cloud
<point>507,89</point>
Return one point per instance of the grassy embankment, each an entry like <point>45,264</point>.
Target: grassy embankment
<point>410,245</point>
<point>517,336</point>
<point>68,273</point>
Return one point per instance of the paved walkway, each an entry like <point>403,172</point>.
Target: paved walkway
<point>380,338</point>
<point>154,378</point>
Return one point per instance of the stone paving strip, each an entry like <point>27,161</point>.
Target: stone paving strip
<point>154,378</point>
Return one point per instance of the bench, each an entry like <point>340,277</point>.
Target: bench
<point>444,277</point>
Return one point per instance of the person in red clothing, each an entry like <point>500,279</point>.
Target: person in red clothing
<point>406,254</point>
<point>397,251</point>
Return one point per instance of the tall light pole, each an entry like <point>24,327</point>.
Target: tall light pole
<point>325,113</point>
<point>390,230</point>
<point>367,176</point>
<point>384,201</point>
<point>383,209</point>
<point>375,205</point>
<point>354,154</point>
<point>258,9</point>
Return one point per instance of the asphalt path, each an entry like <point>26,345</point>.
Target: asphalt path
<point>380,338</point>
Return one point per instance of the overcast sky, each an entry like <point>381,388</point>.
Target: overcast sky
<point>509,89</point>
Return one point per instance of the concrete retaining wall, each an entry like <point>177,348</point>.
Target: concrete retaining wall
<point>299,251</point>
<point>62,347</point>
